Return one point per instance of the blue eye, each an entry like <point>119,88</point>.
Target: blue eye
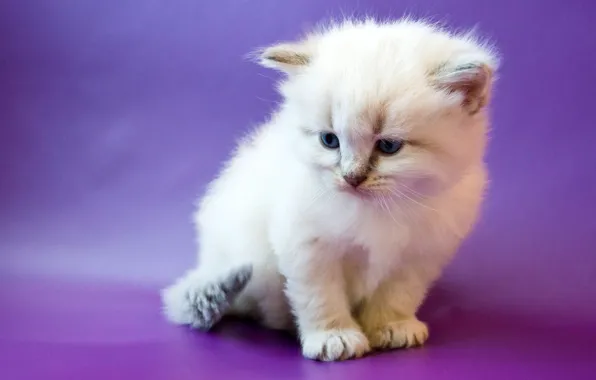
<point>389,146</point>
<point>329,140</point>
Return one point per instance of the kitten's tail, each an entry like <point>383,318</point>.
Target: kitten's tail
<point>199,304</point>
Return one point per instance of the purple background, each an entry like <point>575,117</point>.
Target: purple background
<point>115,114</point>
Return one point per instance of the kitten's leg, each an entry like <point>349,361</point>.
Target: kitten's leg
<point>389,316</point>
<point>316,291</point>
<point>263,299</point>
<point>200,301</point>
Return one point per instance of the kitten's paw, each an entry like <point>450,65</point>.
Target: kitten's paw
<point>399,334</point>
<point>335,344</point>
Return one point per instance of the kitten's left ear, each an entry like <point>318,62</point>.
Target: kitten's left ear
<point>472,79</point>
<point>289,58</point>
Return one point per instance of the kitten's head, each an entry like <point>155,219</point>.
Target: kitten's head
<point>395,108</point>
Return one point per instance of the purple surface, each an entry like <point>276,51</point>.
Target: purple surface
<point>115,114</point>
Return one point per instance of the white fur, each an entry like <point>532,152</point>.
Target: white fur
<point>354,268</point>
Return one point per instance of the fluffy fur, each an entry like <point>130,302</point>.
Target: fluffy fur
<point>348,266</point>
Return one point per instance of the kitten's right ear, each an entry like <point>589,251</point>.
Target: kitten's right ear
<point>289,58</point>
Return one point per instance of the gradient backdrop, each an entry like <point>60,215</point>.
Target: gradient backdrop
<point>114,114</point>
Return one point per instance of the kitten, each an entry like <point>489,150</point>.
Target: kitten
<point>337,215</point>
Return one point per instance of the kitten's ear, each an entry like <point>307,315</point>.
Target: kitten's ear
<point>472,79</point>
<point>287,57</point>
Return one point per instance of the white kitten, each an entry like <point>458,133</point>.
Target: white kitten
<point>338,214</point>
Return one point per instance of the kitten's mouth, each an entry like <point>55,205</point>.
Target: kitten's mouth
<point>362,190</point>
<point>359,191</point>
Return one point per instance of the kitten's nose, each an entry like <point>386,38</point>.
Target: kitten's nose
<point>355,179</point>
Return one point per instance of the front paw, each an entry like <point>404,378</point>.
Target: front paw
<point>334,344</point>
<point>399,334</point>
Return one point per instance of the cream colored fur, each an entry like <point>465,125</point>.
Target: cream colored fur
<point>350,269</point>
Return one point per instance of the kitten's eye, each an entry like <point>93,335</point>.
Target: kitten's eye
<point>329,140</point>
<point>389,146</point>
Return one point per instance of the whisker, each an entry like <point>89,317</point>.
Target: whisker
<point>317,196</point>
<point>398,205</point>
<point>414,200</point>
<point>408,215</point>
<point>398,194</point>
<point>389,209</point>
<point>412,191</point>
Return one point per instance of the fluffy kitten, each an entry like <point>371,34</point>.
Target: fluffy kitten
<point>338,214</point>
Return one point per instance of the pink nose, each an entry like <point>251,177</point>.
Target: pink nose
<point>354,180</point>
